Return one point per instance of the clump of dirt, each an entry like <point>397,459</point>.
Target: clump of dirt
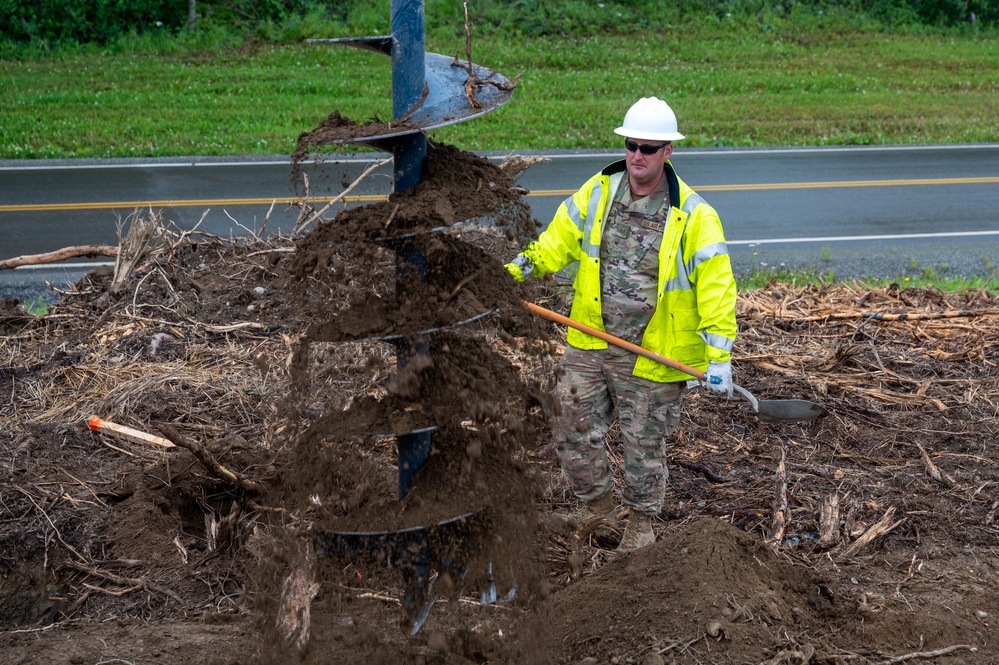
<point>478,407</point>
<point>471,501</point>
<point>336,129</point>
<point>459,379</point>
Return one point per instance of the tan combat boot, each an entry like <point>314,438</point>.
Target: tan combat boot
<point>638,533</point>
<point>601,508</point>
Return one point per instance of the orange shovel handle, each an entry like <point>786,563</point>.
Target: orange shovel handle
<point>611,339</point>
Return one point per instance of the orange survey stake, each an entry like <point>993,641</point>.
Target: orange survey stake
<point>100,425</point>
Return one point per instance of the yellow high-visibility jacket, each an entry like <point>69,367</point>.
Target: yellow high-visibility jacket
<point>694,318</point>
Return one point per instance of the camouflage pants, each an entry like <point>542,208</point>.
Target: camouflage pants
<point>591,385</point>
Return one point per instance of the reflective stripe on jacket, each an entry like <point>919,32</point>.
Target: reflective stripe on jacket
<point>694,319</point>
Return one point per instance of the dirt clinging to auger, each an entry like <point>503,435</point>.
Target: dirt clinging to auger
<point>474,496</point>
<point>457,187</point>
<point>337,128</point>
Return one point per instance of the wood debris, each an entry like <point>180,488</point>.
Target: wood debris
<point>208,460</point>
<point>828,522</point>
<point>474,82</point>
<point>878,529</point>
<point>58,255</point>
<point>781,511</point>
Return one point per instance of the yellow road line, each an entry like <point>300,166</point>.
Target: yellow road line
<point>988,180</point>
<point>177,203</point>
<point>103,205</point>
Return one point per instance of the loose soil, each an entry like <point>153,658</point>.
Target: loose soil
<point>300,364</point>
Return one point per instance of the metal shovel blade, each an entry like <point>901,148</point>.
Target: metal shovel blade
<point>782,410</point>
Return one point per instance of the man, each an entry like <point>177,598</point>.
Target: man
<point>654,270</point>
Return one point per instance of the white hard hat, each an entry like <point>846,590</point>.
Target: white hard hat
<point>650,118</point>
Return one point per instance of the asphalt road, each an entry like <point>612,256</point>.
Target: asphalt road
<point>854,211</point>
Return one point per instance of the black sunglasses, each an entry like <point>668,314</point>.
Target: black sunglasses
<point>631,146</point>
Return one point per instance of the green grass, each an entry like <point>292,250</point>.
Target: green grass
<point>37,308</point>
<point>928,278</point>
<point>729,87</point>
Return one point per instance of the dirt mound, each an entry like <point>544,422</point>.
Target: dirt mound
<point>707,587</point>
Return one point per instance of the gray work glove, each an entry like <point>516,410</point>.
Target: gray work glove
<point>718,378</point>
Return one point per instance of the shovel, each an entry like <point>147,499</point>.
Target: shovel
<point>770,410</point>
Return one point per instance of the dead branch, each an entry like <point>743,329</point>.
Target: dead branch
<point>232,327</point>
<point>471,83</point>
<point>51,524</point>
<point>305,220</point>
<point>474,82</point>
<point>276,250</point>
<point>306,208</point>
<point>932,470</point>
<point>184,234</point>
<point>207,459</point>
<point>116,593</point>
<point>781,510</point>
<point>514,165</point>
<point>297,592</point>
<point>221,534</point>
<point>391,217</point>
<point>879,528</point>
<point>258,236</point>
<point>703,469</point>
<point>885,316</point>
<point>132,249</point>
<point>462,284</point>
<point>926,654</point>
<point>131,583</point>
<point>394,600</point>
<point>58,255</point>
<point>679,645</point>
<point>828,522</point>
<point>135,246</point>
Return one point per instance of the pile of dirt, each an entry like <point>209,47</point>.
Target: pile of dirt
<point>706,584</point>
<point>458,189</point>
<point>709,591</point>
<point>864,537</point>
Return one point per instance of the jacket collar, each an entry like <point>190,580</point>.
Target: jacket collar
<point>672,182</point>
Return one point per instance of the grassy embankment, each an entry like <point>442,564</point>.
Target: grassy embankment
<point>729,86</point>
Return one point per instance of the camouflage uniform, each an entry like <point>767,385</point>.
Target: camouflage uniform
<point>595,382</point>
